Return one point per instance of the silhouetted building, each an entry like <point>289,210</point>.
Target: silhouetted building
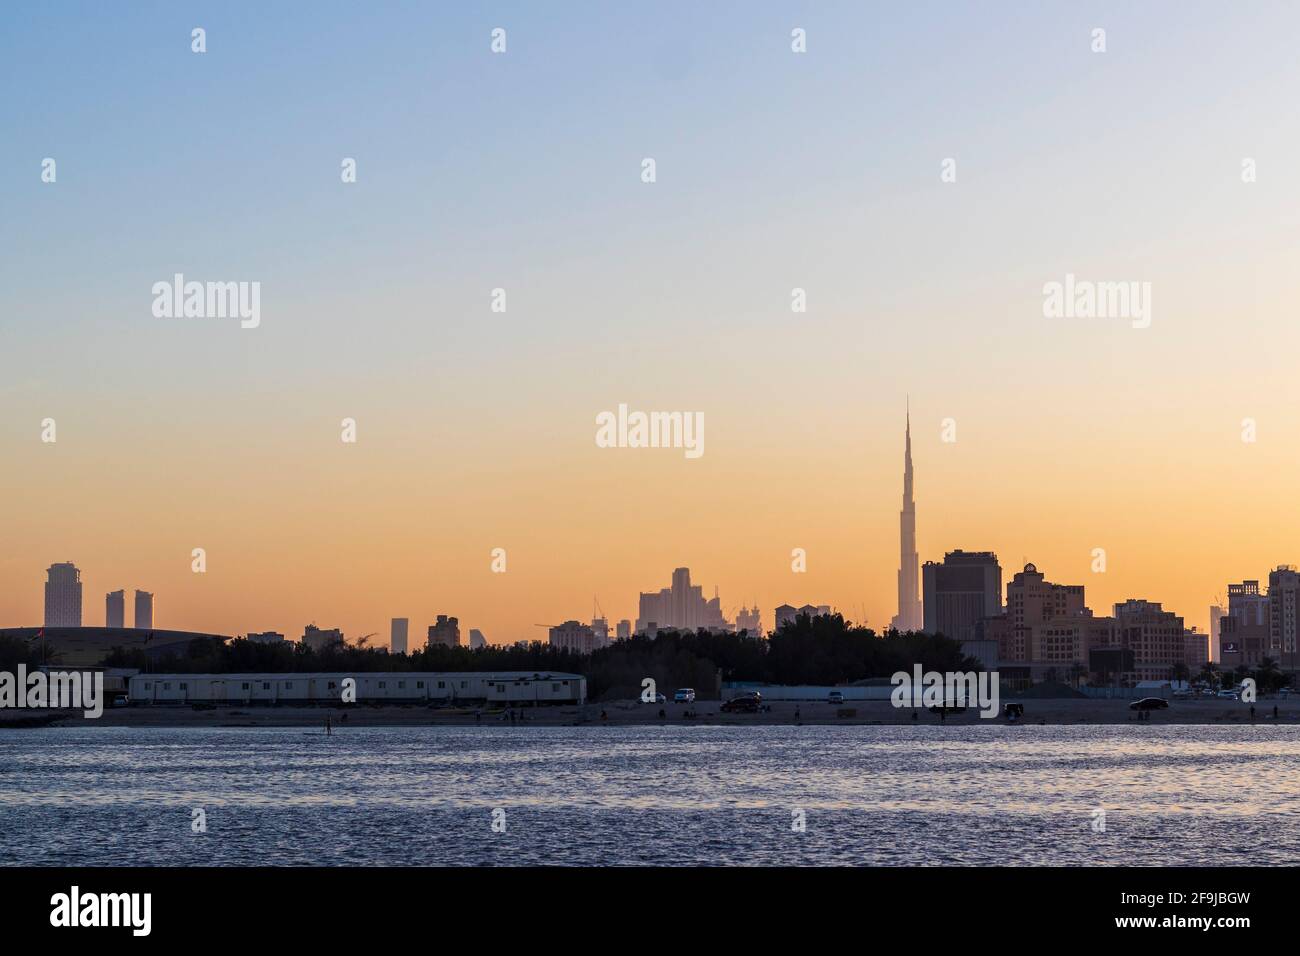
<point>88,646</point>
<point>681,606</point>
<point>960,592</point>
<point>600,627</point>
<point>1216,612</point>
<point>574,636</point>
<point>63,595</point>
<point>910,616</point>
<point>750,619</point>
<point>1156,637</point>
<point>1196,646</point>
<point>624,629</point>
<point>115,609</point>
<point>476,639</point>
<point>318,639</point>
<point>787,612</point>
<point>1283,605</point>
<point>266,637</point>
<point>143,610</point>
<point>445,632</point>
<point>1033,601</point>
<point>1245,630</point>
<point>397,635</point>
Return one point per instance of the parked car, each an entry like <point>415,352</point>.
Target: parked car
<point>659,699</point>
<point>741,705</point>
<point>1182,694</point>
<point>835,697</point>
<point>1207,692</point>
<point>1149,703</point>
<point>1228,694</point>
<point>684,695</point>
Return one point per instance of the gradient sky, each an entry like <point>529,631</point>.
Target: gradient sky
<point>775,170</point>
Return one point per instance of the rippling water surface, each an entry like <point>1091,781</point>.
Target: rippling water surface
<point>659,795</point>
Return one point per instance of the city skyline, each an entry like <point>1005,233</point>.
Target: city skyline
<point>955,603</point>
<point>475,428</point>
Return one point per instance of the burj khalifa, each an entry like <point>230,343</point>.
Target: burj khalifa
<point>909,617</point>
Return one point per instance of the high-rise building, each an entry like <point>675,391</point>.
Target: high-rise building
<point>397,635</point>
<point>476,639</point>
<point>600,627</point>
<point>1216,612</point>
<point>960,592</point>
<point>115,609</point>
<point>1065,642</point>
<point>1196,650</point>
<point>682,606</point>
<point>1283,614</point>
<point>445,632</point>
<point>750,619</point>
<point>1032,601</point>
<point>1244,631</point>
<point>910,616</point>
<point>1156,637</point>
<point>624,629</point>
<point>318,639</point>
<point>143,609</point>
<point>574,636</point>
<point>63,595</point>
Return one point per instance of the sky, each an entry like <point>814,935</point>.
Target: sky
<point>522,171</point>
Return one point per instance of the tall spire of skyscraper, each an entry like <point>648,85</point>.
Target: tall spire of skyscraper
<point>909,604</point>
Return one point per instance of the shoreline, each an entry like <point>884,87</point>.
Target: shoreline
<point>1051,711</point>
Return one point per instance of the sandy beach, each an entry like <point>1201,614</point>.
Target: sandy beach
<point>622,713</point>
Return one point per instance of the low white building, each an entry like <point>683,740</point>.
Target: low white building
<point>514,687</point>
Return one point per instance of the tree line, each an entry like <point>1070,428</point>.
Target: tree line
<point>821,650</point>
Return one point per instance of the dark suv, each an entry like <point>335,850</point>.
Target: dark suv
<point>742,705</point>
<point>1149,703</point>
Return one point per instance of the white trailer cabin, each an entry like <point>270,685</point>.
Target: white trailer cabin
<point>396,687</point>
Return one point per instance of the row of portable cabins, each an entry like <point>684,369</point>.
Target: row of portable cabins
<point>511,687</point>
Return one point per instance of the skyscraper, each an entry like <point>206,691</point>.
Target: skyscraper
<point>446,632</point>
<point>63,595</point>
<point>115,609</point>
<point>144,609</point>
<point>397,635</point>
<point>1283,613</point>
<point>682,606</point>
<point>962,591</point>
<point>909,617</point>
